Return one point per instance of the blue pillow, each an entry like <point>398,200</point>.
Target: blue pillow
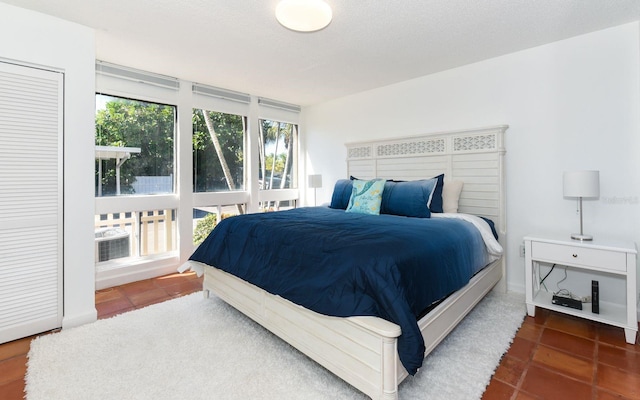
<point>341,194</point>
<point>436,199</point>
<point>492,226</point>
<point>366,197</point>
<point>409,199</point>
<point>343,188</point>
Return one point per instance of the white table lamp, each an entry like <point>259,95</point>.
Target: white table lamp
<point>315,182</point>
<point>581,184</point>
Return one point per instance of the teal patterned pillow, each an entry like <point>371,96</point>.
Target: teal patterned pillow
<point>366,197</point>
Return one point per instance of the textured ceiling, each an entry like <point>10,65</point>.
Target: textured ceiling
<point>239,45</point>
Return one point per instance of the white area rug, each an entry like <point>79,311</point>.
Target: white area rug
<point>196,348</point>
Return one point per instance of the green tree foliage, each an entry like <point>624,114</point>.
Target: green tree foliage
<point>278,143</point>
<point>279,166</point>
<point>151,127</point>
<point>229,129</point>
<point>132,123</point>
<point>203,228</point>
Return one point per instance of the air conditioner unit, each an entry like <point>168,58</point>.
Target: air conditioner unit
<point>111,243</point>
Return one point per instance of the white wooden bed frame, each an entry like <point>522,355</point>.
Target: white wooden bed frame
<point>362,350</point>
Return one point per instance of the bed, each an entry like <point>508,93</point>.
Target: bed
<point>368,351</point>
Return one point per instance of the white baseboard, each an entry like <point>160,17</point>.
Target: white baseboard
<point>516,288</point>
<point>145,269</point>
<point>71,321</point>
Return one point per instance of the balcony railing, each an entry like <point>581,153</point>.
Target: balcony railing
<point>150,232</point>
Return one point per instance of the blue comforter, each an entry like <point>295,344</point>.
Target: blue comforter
<point>347,264</point>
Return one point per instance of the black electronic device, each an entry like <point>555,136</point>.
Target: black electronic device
<point>595,297</point>
<point>566,302</point>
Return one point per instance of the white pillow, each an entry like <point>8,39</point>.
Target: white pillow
<point>451,195</point>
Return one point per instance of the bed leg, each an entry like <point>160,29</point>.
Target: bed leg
<point>206,293</point>
<point>390,377</point>
<point>390,396</point>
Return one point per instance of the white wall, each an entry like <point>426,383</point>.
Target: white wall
<point>570,105</point>
<point>37,39</point>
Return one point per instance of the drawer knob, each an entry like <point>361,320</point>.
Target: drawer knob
<point>575,255</point>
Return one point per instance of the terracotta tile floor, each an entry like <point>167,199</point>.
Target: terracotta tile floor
<point>553,356</point>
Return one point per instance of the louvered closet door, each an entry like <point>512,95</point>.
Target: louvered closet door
<point>30,201</point>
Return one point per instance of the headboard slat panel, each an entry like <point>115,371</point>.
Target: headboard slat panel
<point>474,156</point>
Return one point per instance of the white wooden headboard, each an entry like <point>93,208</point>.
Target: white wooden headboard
<point>474,156</point>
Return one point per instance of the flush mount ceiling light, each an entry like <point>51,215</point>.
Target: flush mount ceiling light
<point>303,15</point>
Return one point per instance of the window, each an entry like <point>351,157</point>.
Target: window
<point>142,183</point>
<point>218,151</point>
<point>277,160</point>
<point>277,155</point>
<point>134,147</point>
<point>134,156</point>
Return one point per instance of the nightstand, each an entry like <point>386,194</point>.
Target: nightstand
<point>597,257</point>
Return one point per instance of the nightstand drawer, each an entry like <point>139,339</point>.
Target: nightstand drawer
<point>574,255</point>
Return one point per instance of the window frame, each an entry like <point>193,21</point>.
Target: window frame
<point>268,109</point>
<point>225,101</point>
<point>124,82</point>
<point>175,139</point>
<point>205,101</point>
<point>181,94</point>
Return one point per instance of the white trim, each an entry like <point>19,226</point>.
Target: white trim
<point>220,93</point>
<point>278,104</point>
<point>278,195</point>
<point>219,100</point>
<point>136,75</point>
<point>115,204</point>
<point>130,83</point>
<point>275,110</point>
<point>79,319</point>
<point>144,268</point>
<point>205,199</point>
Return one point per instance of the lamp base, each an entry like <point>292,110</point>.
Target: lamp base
<point>579,236</point>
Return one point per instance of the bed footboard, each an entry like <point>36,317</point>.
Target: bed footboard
<point>360,350</point>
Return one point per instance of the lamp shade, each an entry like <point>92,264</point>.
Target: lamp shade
<point>315,181</point>
<point>581,184</point>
